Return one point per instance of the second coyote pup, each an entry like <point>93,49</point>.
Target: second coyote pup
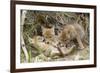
<point>71,32</point>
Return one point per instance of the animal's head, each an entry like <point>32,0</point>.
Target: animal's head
<point>67,34</point>
<point>48,32</point>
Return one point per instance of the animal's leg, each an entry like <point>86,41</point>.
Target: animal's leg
<point>80,42</point>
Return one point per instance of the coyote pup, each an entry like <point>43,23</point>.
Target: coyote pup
<point>71,32</point>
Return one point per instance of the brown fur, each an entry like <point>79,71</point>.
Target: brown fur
<point>48,33</point>
<point>71,32</point>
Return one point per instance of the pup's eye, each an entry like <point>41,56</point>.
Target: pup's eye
<point>43,40</point>
<point>47,42</point>
<point>68,31</point>
<point>65,40</point>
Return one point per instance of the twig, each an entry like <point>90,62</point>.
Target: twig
<point>22,40</point>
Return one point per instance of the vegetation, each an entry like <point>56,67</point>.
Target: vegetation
<point>39,45</point>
